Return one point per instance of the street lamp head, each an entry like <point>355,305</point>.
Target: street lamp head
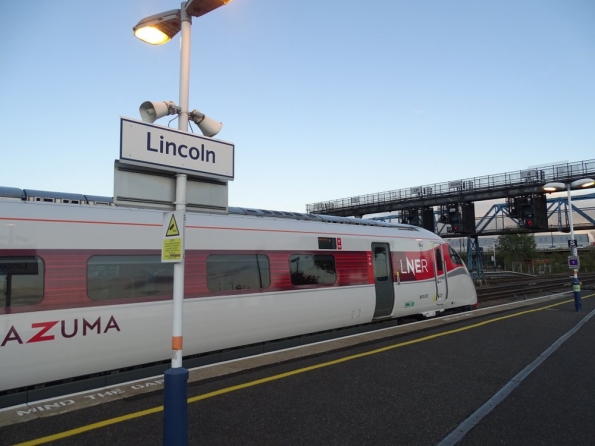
<point>152,111</point>
<point>159,28</point>
<point>196,8</point>
<point>556,186</point>
<point>583,182</point>
<point>553,187</point>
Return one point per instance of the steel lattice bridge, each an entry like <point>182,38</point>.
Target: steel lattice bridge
<point>498,221</point>
<point>416,204</point>
<point>449,208</point>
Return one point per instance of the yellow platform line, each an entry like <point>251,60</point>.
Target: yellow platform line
<point>257,382</point>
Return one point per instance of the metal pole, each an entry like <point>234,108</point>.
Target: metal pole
<point>576,285</point>
<point>8,292</point>
<point>573,249</point>
<point>175,410</point>
<point>184,68</point>
<point>178,307</point>
<point>180,202</point>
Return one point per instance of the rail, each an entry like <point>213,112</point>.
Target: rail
<point>521,289</point>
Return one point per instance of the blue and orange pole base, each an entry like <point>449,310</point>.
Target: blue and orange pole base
<point>576,290</point>
<point>175,407</point>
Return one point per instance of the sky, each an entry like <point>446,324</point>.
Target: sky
<point>323,99</point>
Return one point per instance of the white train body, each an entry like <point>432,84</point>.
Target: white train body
<point>62,320</point>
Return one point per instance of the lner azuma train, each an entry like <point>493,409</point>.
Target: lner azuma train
<point>84,290</point>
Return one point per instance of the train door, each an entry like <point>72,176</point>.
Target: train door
<point>440,275</point>
<point>383,280</point>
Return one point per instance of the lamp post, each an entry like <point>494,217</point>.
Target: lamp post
<point>573,260</point>
<point>158,29</point>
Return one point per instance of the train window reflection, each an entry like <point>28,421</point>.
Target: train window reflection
<point>310,269</point>
<point>238,272</point>
<point>381,263</point>
<point>439,259</point>
<point>21,281</point>
<point>122,277</point>
<point>454,256</point>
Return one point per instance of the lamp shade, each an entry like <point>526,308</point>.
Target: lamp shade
<point>159,28</point>
<point>196,8</point>
<point>553,187</point>
<point>583,182</point>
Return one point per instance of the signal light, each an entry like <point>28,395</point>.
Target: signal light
<point>453,216</point>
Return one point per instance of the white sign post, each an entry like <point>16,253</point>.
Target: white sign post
<point>168,151</point>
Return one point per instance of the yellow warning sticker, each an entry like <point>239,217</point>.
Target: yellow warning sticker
<point>172,229</point>
<point>172,250</point>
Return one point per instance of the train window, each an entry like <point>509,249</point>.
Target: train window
<point>454,256</point>
<point>122,277</point>
<point>237,272</point>
<point>381,263</point>
<point>439,259</point>
<point>21,279</point>
<point>312,269</point>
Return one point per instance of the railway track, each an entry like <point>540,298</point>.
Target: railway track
<point>529,286</point>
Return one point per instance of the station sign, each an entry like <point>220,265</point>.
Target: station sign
<point>573,262</point>
<point>158,146</point>
<point>529,174</point>
<point>573,243</point>
<point>19,266</point>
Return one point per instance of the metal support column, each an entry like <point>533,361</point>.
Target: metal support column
<point>474,260</point>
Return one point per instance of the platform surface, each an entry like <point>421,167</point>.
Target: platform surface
<point>419,384</point>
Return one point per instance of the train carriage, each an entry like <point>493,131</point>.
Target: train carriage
<point>85,292</point>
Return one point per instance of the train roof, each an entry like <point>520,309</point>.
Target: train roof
<point>16,194</point>
<point>317,217</point>
<point>12,193</point>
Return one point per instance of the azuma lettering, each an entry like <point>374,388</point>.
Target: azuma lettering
<point>49,331</point>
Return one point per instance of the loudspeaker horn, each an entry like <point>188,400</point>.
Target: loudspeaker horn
<point>209,127</point>
<point>152,111</point>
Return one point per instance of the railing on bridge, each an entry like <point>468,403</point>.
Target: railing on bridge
<point>563,172</point>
